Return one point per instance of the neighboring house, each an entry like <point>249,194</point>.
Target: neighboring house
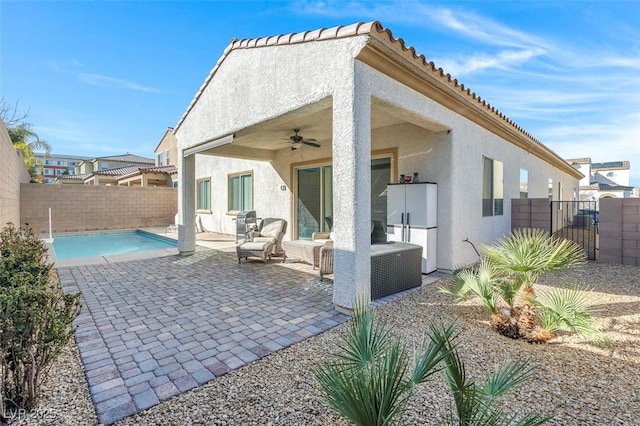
<point>376,110</point>
<point>111,162</point>
<point>166,152</point>
<point>604,180</point>
<point>125,176</point>
<point>55,165</point>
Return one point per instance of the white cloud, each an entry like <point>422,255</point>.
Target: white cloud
<point>75,69</point>
<point>106,81</point>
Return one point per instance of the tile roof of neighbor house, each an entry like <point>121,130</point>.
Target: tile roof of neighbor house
<point>383,35</point>
<point>71,157</point>
<point>168,170</point>
<point>606,187</point>
<point>129,170</point>
<point>131,158</point>
<point>611,165</point>
<point>585,160</point>
<point>72,177</point>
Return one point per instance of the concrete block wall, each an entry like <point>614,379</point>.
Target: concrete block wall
<point>89,207</point>
<point>620,231</point>
<point>13,172</point>
<point>530,213</point>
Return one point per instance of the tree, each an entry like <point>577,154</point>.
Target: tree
<point>23,137</point>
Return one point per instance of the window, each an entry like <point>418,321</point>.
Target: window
<point>240,192</point>
<point>550,189</point>
<point>59,172</point>
<point>48,162</point>
<point>492,187</point>
<point>160,159</point>
<point>61,163</point>
<point>71,171</point>
<point>104,166</point>
<point>524,183</point>
<point>48,171</point>
<point>203,200</point>
<point>166,157</point>
<point>72,163</point>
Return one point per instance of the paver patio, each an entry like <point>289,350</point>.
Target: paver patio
<point>151,329</point>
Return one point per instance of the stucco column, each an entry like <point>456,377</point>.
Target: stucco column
<point>186,204</point>
<point>351,196</point>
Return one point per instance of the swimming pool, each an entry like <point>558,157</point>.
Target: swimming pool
<point>108,243</point>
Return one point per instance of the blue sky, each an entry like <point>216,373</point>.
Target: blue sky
<point>104,78</point>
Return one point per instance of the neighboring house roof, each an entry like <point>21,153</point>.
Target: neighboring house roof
<point>585,160</point>
<point>116,171</point>
<point>51,155</point>
<point>168,170</point>
<point>597,186</point>
<point>611,165</point>
<point>128,158</point>
<point>132,170</point>
<point>72,177</point>
<point>446,89</point>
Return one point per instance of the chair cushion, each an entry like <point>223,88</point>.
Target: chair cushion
<point>264,240</point>
<point>271,229</point>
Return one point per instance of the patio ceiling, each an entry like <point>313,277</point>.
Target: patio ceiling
<point>261,140</point>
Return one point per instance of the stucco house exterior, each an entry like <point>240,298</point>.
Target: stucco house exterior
<point>377,110</point>
<point>609,179</point>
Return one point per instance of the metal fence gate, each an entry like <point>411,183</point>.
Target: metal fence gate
<point>577,221</point>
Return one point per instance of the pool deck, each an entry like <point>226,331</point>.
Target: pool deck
<point>156,327</point>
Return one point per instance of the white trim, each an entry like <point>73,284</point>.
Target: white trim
<point>225,140</point>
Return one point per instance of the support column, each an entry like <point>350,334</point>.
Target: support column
<point>352,195</point>
<point>186,204</point>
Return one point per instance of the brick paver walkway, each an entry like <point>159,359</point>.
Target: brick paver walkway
<point>151,329</point>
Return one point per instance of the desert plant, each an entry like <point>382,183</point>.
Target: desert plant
<point>507,273</point>
<point>371,380</point>
<point>35,318</point>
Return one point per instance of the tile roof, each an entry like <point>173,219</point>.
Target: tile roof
<point>606,187</point>
<point>585,160</point>
<point>611,165</point>
<point>376,31</point>
<point>72,177</point>
<point>130,170</point>
<point>131,158</point>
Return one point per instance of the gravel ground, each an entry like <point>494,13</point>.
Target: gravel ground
<point>580,384</point>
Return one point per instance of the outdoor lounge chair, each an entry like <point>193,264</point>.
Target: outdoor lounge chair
<point>271,230</point>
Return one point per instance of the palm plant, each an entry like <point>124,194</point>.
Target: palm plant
<point>507,273</point>
<point>370,381</point>
<point>27,141</point>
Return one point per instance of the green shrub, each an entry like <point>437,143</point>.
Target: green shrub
<point>35,318</point>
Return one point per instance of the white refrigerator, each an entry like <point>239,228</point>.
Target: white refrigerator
<point>412,217</point>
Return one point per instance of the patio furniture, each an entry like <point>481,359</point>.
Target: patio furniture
<point>395,267</point>
<point>326,259</point>
<point>271,230</point>
<point>305,250</point>
<point>261,250</point>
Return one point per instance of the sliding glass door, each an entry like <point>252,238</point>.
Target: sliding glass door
<point>314,198</point>
<point>314,201</point>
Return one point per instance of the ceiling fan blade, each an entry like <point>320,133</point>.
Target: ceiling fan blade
<point>308,142</point>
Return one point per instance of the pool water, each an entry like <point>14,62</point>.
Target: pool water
<point>108,243</point>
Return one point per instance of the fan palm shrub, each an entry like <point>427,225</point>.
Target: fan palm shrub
<point>371,380</point>
<point>506,275</point>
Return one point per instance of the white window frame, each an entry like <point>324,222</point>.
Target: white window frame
<point>230,193</point>
<point>492,187</point>
<point>203,195</point>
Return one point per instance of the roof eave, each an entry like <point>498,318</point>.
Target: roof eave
<point>391,57</point>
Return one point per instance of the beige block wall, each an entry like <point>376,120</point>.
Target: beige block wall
<point>13,172</point>
<point>530,213</point>
<point>88,208</point>
<point>620,231</point>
